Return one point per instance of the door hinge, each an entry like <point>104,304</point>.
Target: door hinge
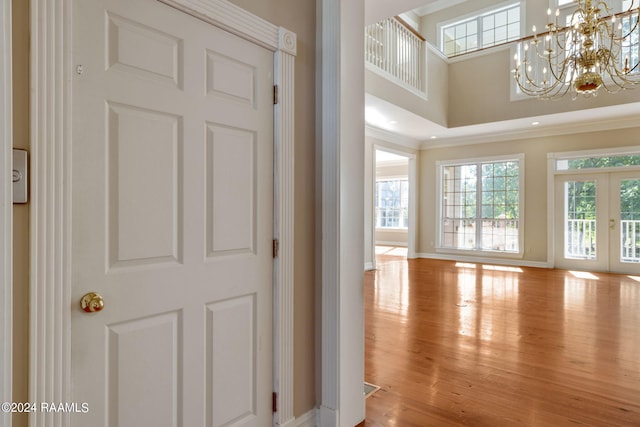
<point>275,402</point>
<point>275,95</point>
<point>276,247</point>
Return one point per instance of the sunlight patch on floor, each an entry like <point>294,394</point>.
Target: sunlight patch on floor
<point>502,268</point>
<point>584,275</point>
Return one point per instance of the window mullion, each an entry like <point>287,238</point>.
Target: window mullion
<point>480,32</point>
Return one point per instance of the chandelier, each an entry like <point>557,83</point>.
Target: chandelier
<point>597,49</point>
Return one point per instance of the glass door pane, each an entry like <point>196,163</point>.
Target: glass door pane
<point>624,222</point>
<point>630,220</point>
<point>582,238</point>
<point>580,220</point>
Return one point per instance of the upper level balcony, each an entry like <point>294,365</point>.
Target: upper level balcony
<point>476,86</point>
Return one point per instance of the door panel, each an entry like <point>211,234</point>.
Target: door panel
<point>172,219</point>
<point>625,222</point>
<point>579,221</point>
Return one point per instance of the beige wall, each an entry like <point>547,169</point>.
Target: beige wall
<point>492,80</point>
<point>535,151</point>
<point>299,17</point>
<point>20,212</point>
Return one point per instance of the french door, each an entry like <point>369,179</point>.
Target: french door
<point>597,219</point>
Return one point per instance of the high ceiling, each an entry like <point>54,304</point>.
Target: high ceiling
<point>393,121</point>
<point>377,10</point>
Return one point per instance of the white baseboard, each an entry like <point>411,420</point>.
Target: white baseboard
<point>308,420</point>
<point>368,266</point>
<point>327,417</point>
<point>386,243</point>
<point>485,260</point>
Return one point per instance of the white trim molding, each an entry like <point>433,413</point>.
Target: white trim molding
<point>284,226</point>
<point>6,211</point>
<point>485,260</point>
<point>50,317</point>
<point>340,148</point>
<point>50,211</point>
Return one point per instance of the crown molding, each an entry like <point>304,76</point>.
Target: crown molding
<point>541,132</point>
<point>388,136</point>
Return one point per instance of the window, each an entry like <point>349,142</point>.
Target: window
<point>484,30</point>
<point>392,203</point>
<point>481,205</point>
<point>598,162</point>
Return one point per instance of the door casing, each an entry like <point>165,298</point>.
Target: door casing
<point>607,196</point>
<point>50,286</point>
<point>552,158</point>
<point>6,210</point>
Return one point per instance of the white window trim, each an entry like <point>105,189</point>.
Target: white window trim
<point>477,14</point>
<point>606,152</point>
<point>521,207</point>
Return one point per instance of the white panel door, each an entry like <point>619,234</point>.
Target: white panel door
<point>172,209</point>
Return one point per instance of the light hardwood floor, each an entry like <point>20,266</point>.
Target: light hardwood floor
<point>478,345</point>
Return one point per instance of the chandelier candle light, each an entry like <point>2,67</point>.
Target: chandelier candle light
<point>597,49</point>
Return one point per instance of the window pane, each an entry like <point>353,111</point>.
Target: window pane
<point>472,42</point>
<point>513,15</point>
<point>501,19</point>
<point>488,39</point>
<point>495,214</point>
<point>488,23</point>
<point>472,27</point>
<point>598,162</point>
<point>513,31</point>
<point>392,202</point>
<point>501,34</point>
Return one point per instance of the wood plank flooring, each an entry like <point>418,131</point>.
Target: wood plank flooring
<point>478,345</point>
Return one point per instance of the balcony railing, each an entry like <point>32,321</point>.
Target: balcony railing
<point>630,241</point>
<point>398,51</point>
<point>581,239</point>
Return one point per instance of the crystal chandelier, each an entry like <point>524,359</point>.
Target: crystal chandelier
<point>597,49</point>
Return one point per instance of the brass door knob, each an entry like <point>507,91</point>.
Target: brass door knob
<point>92,302</point>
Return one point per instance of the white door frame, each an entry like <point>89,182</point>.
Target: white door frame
<point>552,171</point>
<point>6,210</point>
<point>50,356</point>
<point>413,209</point>
<point>340,227</point>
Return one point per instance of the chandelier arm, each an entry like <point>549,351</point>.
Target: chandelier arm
<point>631,31</point>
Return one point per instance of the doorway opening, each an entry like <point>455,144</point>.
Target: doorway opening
<point>393,202</point>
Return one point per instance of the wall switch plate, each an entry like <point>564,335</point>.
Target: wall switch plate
<point>20,176</point>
